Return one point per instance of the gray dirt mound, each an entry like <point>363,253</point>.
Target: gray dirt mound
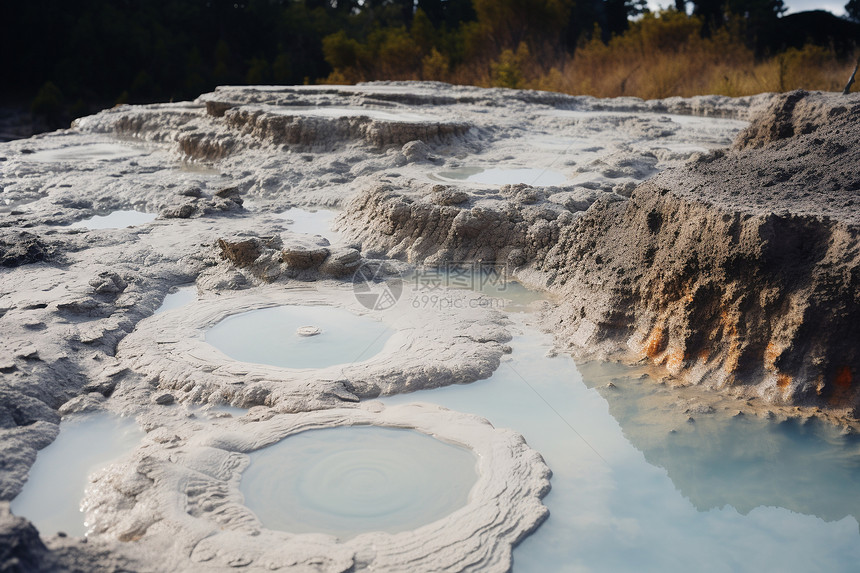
<point>21,248</point>
<point>739,269</point>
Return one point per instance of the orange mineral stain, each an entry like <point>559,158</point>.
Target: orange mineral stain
<point>844,379</point>
<point>842,384</point>
<point>655,343</point>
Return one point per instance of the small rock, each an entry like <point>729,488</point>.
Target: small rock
<point>191,192</point>
<point>163,399</point>
<point>416,151</point>
<point>299,254</point>
<point>241,253</point>
<point>308,331</point>
<point>182,212</point>
<point>108,282</point>
<point>341,262</point>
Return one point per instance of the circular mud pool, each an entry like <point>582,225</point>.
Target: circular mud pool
<point>271,336</point>
<point>351,480</point>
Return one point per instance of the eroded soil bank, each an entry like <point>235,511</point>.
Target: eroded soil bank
<point>736,269</point>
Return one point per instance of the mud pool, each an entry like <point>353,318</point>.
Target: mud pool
<point>715,494</point>
<point>115,220</point>
<point>311,222</point>
<point>338,112</point>
<point>179,297</point>
<point>52,495</point>
<point>269,336</point>
<point>535,177</point>
<point>87,152</point>
<point>665,473</point>
<point>350,480</point>
<point>491,281</point>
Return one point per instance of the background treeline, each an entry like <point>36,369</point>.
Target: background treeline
<point>70,57</point>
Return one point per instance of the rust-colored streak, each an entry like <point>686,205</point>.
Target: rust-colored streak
<point>844,379</point>
<point>656,342</point>
<point>842,386</point>
<point>771,353</point>
<point>783,381</point>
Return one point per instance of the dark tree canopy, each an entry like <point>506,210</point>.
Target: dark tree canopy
<point>70,57</point>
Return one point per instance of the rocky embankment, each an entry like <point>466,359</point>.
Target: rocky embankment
<point>738,270</point>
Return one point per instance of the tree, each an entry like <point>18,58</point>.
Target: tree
<point>853,10</point>
<point>508,23</point>
<point>618,14</point>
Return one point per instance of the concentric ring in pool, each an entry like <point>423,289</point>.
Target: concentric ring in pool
<point>355,479</point>
<point>269,336</point>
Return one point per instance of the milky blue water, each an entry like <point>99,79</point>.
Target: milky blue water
<point>87,152</point>
<point>628,494</point>
<point>178,298</point>
<point>350,480</point>
<point>86,443</point>
<point>115,220</point>
<point>269,336</point>
<point>311,222</point>
<point>498,176</point>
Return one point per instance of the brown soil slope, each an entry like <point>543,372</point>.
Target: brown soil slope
<point>740,269</point>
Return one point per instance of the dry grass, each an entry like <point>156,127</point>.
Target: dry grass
<point>659,56</point>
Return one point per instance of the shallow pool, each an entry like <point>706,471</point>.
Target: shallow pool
<point>179,297</point>
<point>628,494</point>
<point>350,480</point>
<point>499,176</point>
<point>335,112</point>
<point>491,280</point>
<point>87,152</point>
<point>311,222</point>
<point>86,443</point>
<point>115,220</point>
<point>270,336</point>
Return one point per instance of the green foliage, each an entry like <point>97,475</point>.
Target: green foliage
<point>176,49</point>
<point>507,71</point>
<point>48,101</point>
<point>259,72</point>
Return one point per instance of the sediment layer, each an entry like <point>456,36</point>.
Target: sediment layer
<point>738,270</point>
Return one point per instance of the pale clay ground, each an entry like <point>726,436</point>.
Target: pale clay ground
<point>76,305</point>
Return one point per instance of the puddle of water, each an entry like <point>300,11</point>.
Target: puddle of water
<point>86,443</point>
<point>269,336</point>
<point>335,112</point>
<point>612,510</point>
<point>745,462</point>
<point>497,176</point>
<point>486,279</point>
<point>316,222</point>
<point>199,169</point>
<point>86,152</point>
<point>7,205</point>
<point>178,298</point>
<point>351,480</point>
<point>115,220</point>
